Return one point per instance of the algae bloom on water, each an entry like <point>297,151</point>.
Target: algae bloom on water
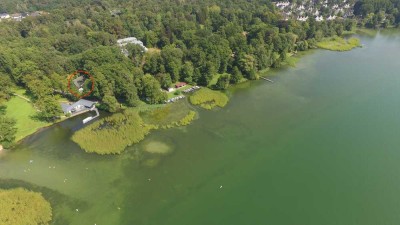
<point>157,147</point>
<point>22,207</point>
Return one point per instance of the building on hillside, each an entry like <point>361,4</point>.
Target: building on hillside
<point>180,84</point>
<point>38,13</point>
<point>16,16</point>
<point>77,107</point>
<point>79,82</point>
<point>4,16</point>
<point>130,40</point>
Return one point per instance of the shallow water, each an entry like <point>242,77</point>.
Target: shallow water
<point>318,146</point>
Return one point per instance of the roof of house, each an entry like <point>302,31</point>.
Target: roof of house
<point>180,84</point>
<point>79,81</point>
<point>67,107</point>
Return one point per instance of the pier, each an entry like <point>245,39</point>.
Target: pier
<point>264,78</point>
<point>90,118</point>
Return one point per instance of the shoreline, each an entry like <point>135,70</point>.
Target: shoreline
<point>263,73</point>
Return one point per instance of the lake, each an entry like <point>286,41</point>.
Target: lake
<point>320,145</point>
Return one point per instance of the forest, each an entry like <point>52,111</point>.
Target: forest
<point>188,40</point>
<point>378,12</point>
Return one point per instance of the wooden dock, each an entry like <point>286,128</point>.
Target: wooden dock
<point>90,118</point>
<point>264,78</point>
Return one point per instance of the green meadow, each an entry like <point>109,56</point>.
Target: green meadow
<point>23,112</point>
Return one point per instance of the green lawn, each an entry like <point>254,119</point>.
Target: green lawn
<point>23,111</point>
<point>214,80</point>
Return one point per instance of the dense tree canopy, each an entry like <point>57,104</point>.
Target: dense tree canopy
<point>190,41</point>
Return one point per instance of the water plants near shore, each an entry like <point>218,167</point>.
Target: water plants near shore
<point>209,99</point>
<point>20,207</point>
<point>124,129</point>
<point>339,44</point>
<point>130,127</point>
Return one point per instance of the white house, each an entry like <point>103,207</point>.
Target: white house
<point>130,40</point>
<point>319,18</point>
<point>4,16</point>
<point>78,106</point>
<point>16,16</point>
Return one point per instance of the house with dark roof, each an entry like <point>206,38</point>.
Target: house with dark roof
<point>79,81</point>
<point>77,107</point>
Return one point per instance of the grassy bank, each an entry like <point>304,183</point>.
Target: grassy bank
<point>209,99</point>
<point>130,127</point>
<point>339,44</point>
<point>23,112</point>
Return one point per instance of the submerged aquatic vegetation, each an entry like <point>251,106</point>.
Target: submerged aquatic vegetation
<point>111,135</point>
<point>339,44</point>
<point>30,207</point>
<point>209,99</point>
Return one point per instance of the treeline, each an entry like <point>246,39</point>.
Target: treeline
<point>378,13</point>
<point>188,41</point>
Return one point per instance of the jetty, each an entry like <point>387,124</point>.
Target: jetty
<point>90,118</point>
<point>264,78</point>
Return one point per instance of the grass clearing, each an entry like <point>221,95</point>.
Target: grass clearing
<point>209,99</point>
<point>214,80</point>
<point>23,112</point>
<point>339,44</point>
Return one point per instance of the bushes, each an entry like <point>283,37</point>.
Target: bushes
<point>339,44</point>
<point>21,207</point>
<point>209,99</point>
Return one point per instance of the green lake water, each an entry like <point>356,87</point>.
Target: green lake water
<point>319,146</point>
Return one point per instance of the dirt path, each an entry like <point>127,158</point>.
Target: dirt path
<point>27,99</point>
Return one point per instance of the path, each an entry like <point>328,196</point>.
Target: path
<point>27,99</point>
